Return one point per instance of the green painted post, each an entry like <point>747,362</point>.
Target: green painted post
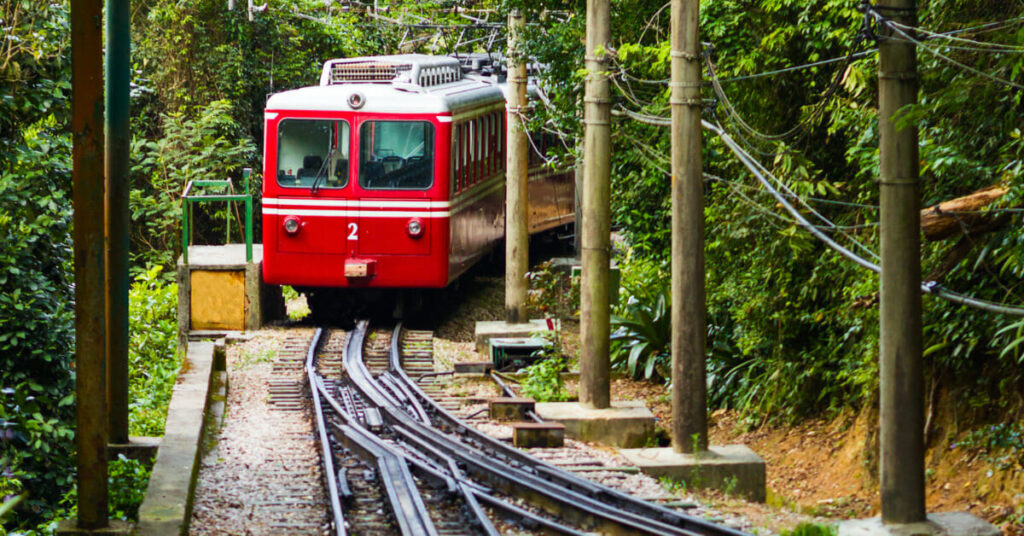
<point>246,173</point>
<point>184,230</point>
<point>248,228</point>
<point>118,220</point>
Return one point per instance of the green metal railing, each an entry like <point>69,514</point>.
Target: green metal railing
<point>228,195</point>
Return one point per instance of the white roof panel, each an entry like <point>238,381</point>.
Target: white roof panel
<point>389,98</point>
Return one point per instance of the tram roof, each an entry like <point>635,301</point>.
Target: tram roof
<point>407,83</point>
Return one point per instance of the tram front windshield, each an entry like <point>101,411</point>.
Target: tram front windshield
<point>312,151</point>
<point>396,155</point>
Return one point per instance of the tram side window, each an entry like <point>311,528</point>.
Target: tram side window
<point>457,148</point>
<point>312,150</point>
<point>501,141</point>
<point>396,155</point>
<point>495,153</point>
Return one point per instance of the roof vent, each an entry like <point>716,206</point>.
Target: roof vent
<point>441,74</point>
<point>415,69</point>
<point>366,71</point>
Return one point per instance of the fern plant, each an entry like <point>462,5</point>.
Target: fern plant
<point>642,335</point>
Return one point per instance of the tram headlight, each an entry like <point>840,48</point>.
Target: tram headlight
<point>291,224</point>
<point>415,227</point>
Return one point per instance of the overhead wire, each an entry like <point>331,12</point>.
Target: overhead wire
<point>927,287</point>
<point>978,46</point>
<point>920,44</point>
<point>826,223</point>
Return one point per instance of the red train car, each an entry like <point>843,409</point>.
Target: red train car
<point>390,175</point>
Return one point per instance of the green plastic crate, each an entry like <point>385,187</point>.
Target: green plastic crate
<point>513,353</point>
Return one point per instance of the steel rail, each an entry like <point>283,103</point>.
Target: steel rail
<point>587,510</point>
<point>356,438</point>
<point>325,447</point>
<point>395,358</point>
<point>407,505</point>
<point>351,428</point>
<point>513,457</point>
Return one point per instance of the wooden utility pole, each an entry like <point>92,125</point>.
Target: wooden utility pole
<point>118,220</point>
<point>901,379</point>
<point>595,368</point>
<point>689,392</point>
<point>517,234</point>
<point>88,200</point>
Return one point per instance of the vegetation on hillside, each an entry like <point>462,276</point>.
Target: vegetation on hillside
<point>792,325</point>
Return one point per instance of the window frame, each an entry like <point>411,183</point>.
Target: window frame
<point>428,148</point>
<point>336,143</point>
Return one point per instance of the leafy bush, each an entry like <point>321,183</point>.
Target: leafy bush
<point>642,326</point>
<point>126,485</point>
<point>1001,443</point>
<point>153,351</point>
<point>641,338</point>
<point>208,146</point>
<point>36,317</point>
<point>811,529</point>
<point>544,381</point>
<point>553,293</point>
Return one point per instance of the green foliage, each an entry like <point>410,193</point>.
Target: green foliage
<point>126,484</point>
<point>128,481</point>
<point>553,292</point>
<point>204,147</point>
<point>36,295</point>
<point>265,355</point>
<point>671,485</point>
<point>543,380</point>
<point>1001,444</point>
<point>811,529</point>
<point>642,328</point>
<point>792,326</point>
<point>152,351</point>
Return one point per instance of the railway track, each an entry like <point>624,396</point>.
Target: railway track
<point>395,461</point>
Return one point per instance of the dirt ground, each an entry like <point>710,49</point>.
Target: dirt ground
<point>817,470</point>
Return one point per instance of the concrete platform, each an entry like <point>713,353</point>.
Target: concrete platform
<point>141,449</point>
<point>732,468</point>
<point>485,331</point>
<point>219,290</point>
<point>942,524</point>
<point>69,527</point>
<point>168,504</point>
<point>628,423</point>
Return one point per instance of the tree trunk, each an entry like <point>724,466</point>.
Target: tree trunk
<point>960,216</point>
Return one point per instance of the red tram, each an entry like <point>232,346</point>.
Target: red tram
<point>391,175</point>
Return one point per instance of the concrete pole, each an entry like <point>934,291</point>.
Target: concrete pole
<point>689,391</point>
<point>90,328</point>
<point>517,233</point>
<point>595,368</point>
<point>901,379</point>
<point>118,220</point>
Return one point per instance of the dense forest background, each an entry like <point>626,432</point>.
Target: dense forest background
<point>792,325</point>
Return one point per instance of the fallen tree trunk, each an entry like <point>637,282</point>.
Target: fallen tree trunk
<point>961,216</point>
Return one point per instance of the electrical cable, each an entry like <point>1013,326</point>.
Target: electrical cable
<point>980,46</point>
<point>855,56</point>
<point>927,287</point>
<point>883,20</point>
